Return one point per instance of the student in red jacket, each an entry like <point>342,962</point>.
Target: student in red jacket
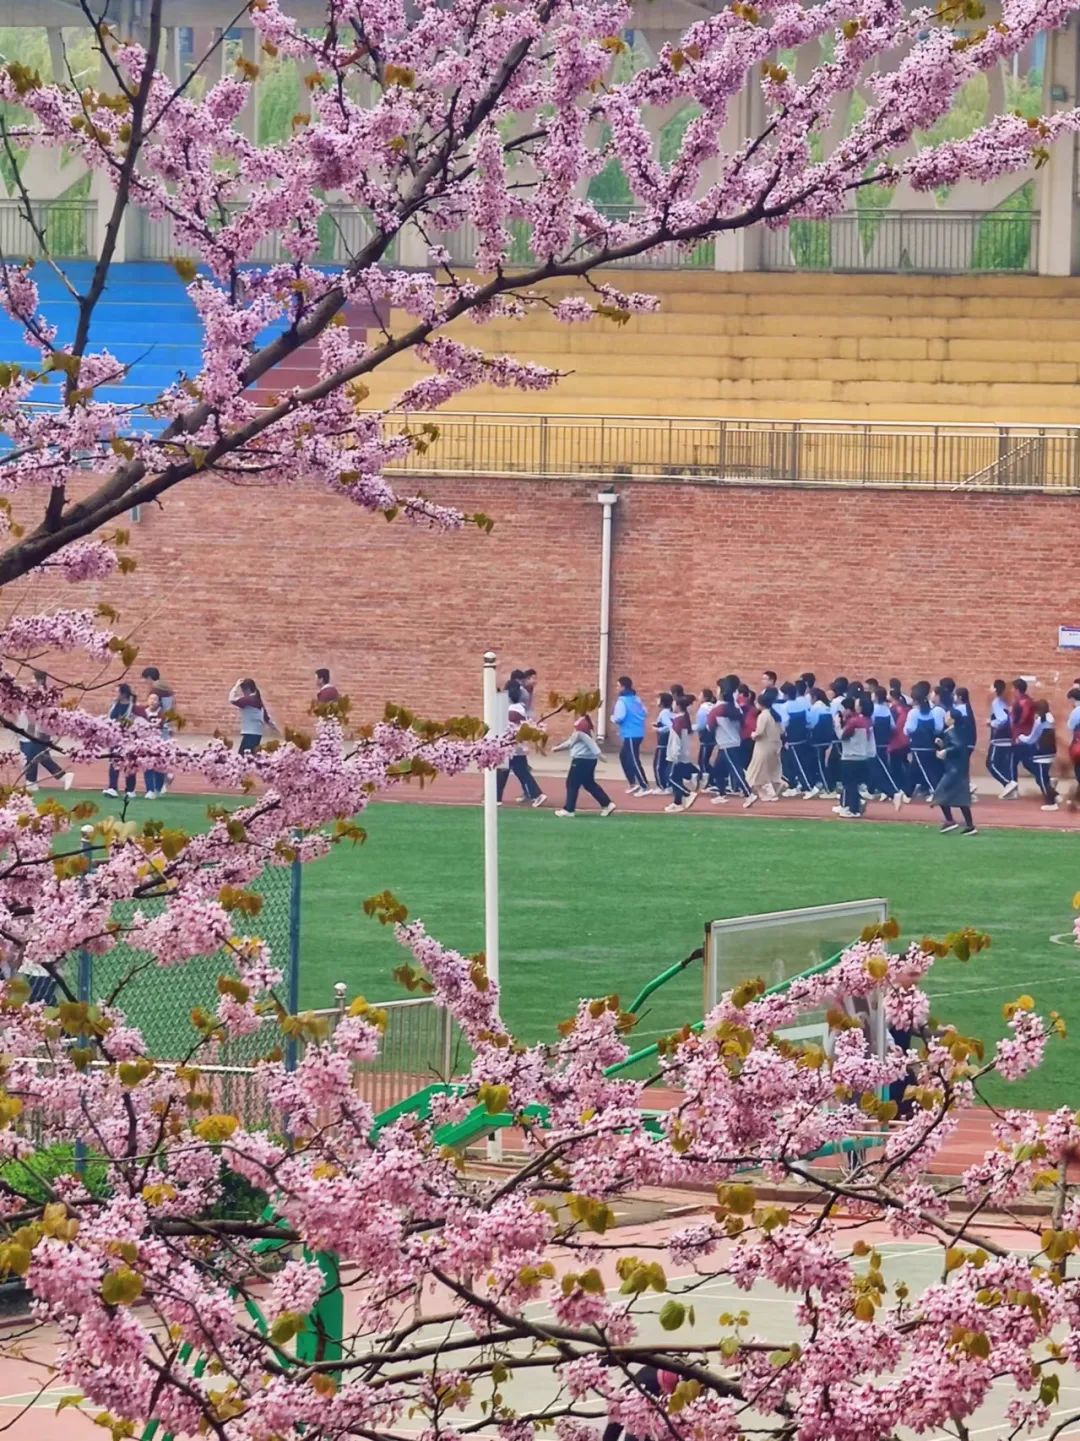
<point>1022,723</point>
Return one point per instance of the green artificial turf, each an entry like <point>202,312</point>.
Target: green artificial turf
<point>591,906</point>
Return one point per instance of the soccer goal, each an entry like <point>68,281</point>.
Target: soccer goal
<point>779,946</point>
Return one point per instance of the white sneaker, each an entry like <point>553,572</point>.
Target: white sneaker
<point>632,791</point>
<point>565,815</point>
<point>865,793</point>
<point>749,801</point>
<point>606,810</point>
<point>839,810</point>
<point>539,800</point>
<point>673,808</point>
<point>898,800</point>
<point>877,796</point>
<point>690,800</point>
<point>128,795</point>
<point>161,790</point>
<point>69,780</point>
<point>150,795</point>
<point>905,798</point>
<point>791,793</point>
<point>846,815</point>
<point>108,791</point>
<point>31,785</point>
<point>1010,789</point>
<point>719,800</point>
<point>813,793</point>
<point>1050,807</point>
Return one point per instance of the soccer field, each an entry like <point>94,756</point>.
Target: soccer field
<point>593,906</point>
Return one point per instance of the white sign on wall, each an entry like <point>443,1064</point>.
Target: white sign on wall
<point>1069,637</point>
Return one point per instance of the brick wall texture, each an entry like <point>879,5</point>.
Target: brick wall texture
<point>705,580</point>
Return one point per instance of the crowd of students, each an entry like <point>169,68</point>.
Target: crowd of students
<point>852,741</point>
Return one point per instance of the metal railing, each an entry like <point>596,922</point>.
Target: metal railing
<point>343,231</point>
<point>731,451</point>
<point>779,452</point>
<point>417,1048</point>
<point>69,228</point>
<point>929,242</point>
<point>461,246</point>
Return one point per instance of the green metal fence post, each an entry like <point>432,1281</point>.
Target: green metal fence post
<point>84,986</point>
<point>293,978</point>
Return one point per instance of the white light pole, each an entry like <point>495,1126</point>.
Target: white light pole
<point>608,499</point>
<point>492,720</point>
<point>491,828</point>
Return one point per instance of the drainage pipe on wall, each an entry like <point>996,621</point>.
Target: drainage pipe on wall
<point>608,499</point>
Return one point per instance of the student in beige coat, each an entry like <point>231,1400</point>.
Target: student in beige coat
<point>763,773</point>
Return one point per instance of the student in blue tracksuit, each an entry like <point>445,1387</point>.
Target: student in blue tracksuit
<point>924,724</point>
<point>629,716</point>
<point>798,765</point>
<point>822,739</point>
<point>662,729</point>
<point>705,738</point>
<point>726,721</point>
<point>879,771</point>
<point>1000,761</point>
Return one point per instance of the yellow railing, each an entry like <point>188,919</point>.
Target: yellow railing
<point>782,452</point>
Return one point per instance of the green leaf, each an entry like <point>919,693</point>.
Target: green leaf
<point>672,1315</point>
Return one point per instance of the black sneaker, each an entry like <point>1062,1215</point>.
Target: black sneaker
<point>971,831</point>
<point>950,826</point>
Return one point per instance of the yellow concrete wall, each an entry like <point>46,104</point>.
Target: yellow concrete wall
<point>911,348</point>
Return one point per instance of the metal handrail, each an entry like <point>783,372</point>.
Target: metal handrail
<point>730,450</point>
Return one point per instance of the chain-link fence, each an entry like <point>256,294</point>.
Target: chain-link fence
<point>418,1045</point>
<point>161,1000</point>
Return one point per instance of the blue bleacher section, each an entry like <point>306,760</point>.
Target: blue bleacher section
<point>147,321</point>
<point>144,318</point>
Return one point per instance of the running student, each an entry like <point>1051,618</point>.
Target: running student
<point>798,765</point>
<point>763,774</point>
<point>1073,727</point>
<point>254,717</point>
<point>883,722</point>
<point>744,699</point>
<point>662,727</point>
<point>1038,750</point>
<point>37,747</point>
<point>518,764</point>
<point>681,756</point>
<point>856,750</point>
<point>584,753</point>
<point>967,727</point>
<point>954,786</point>
<point>1022,721</point>
<point>822,739</point>
<point>704,735</point>
<point>154,780</point>
<point>925,723</point>
<point>123,708</point>
<point>725,722</point>
<point>629,716</point>
<point>1000,761</point>
<point>899,748</point>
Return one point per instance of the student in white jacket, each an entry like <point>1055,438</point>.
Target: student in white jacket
<point>584,753</point>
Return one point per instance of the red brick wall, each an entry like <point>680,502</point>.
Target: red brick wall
<point>275,583</point>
